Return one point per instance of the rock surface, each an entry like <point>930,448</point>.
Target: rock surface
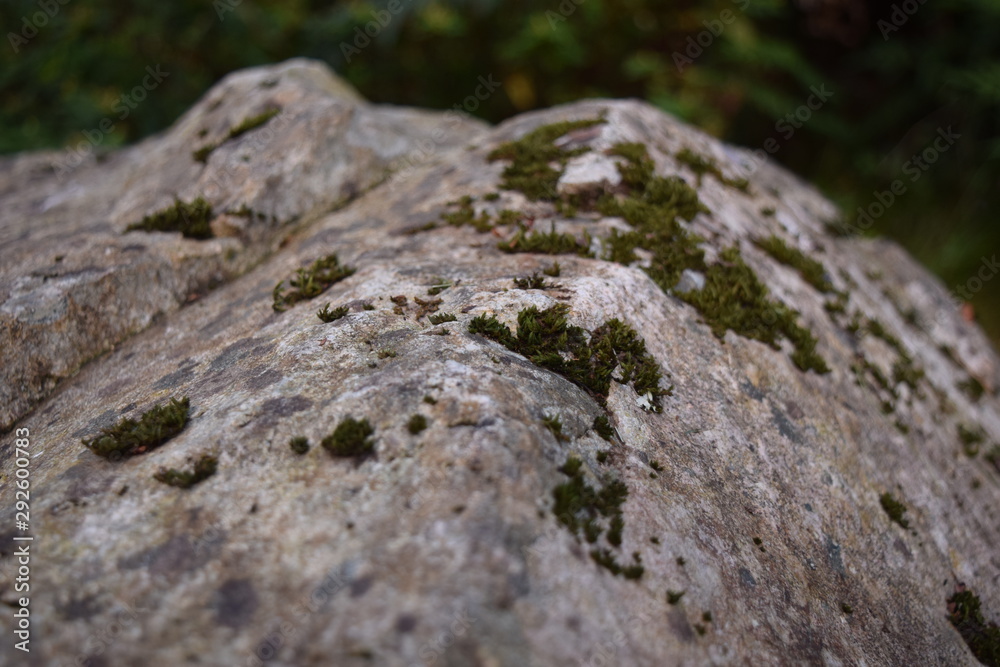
<point>754,489</point>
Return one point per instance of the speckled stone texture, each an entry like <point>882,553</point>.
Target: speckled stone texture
<point>442,548</point>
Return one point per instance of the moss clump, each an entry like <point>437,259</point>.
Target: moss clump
<point>201,154</point>
<point>972,437</point>
<point>602,426</point>
<point>299,445</point>
<point>130,437</point>
<point>983,639</point>
<point>973,388</point>
<point>581,508</point>
<point>531,157</point>
<point>554,424</point>
<point>548,340</point>
<point>894,509</point>
<point>252,123</point>
<point>466,215</point>
<point>416,424</point>
<point>204,468</point>
<point>534,281</point>
<point>351,438</point>
<point>190,219</point>
<point>327,315</point>
<point>310,281</point>
<point>441,318</point>
<point>734,298</point>
<point>553,271</point>
<point>674,597</point>
<point>846,608</point>
<point>701,165</point>
<point>810,270</point>
<point>993,457</point>
<point>549,243</point>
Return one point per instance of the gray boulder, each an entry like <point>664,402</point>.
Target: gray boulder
<point>790,461</point>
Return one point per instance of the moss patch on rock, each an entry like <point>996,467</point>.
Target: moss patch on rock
<point>593,512</point>
<point>982,637</point>
<point>351,439</point>
<point>204,468</point>
<point>894,509</point>
<point>547,339</point>
<point>531,157</point>
<point>191,219</point>
<point>310,281</point>
<point>810,270</point>
<point>130,437</point>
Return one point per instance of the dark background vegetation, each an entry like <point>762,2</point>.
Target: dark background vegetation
<point>894,83</point>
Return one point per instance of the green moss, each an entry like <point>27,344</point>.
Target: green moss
<point>386,353</point>
<point>602,457</point>
<point>548,243</point>
<point>130,437</point>
<point>204,468</point>
<point>674,597</point>
<point>993,457</point>
<point>810,270</point>
<point>252,122</point>
<point>894,509</point>
<point>440,285</point>
<point>602,425</point>
<point>327,315</point>
<point>972,437</point>
<point>534,281</point>
<point>466,215</point>
<point>701,165</point>
<point>416,424</point>
<point>734,298</point>
<point>190,219</point>
<point>846,608</point>
<point>983,638</point>
<point>767,211</point>
<point>493,196</point>
<point>429,400</point>
<point>530,171</point>
<point>310,281</point>
<point>201,154</point>
<point>441,318</point>
<point>581,508</point>
<point>299,445</point>
<point>656,465</point>
<point>351,438</point>
<point>972,388</point>
<point>548,340</point>
<point>554,424</point>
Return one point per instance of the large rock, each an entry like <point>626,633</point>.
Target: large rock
<point>753,487</point>
<point>72,286</point>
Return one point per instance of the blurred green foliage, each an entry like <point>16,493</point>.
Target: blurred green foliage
<point>899,71</point>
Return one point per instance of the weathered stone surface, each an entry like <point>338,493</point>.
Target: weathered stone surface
<point>442,548</point>
<point>72,285</point>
